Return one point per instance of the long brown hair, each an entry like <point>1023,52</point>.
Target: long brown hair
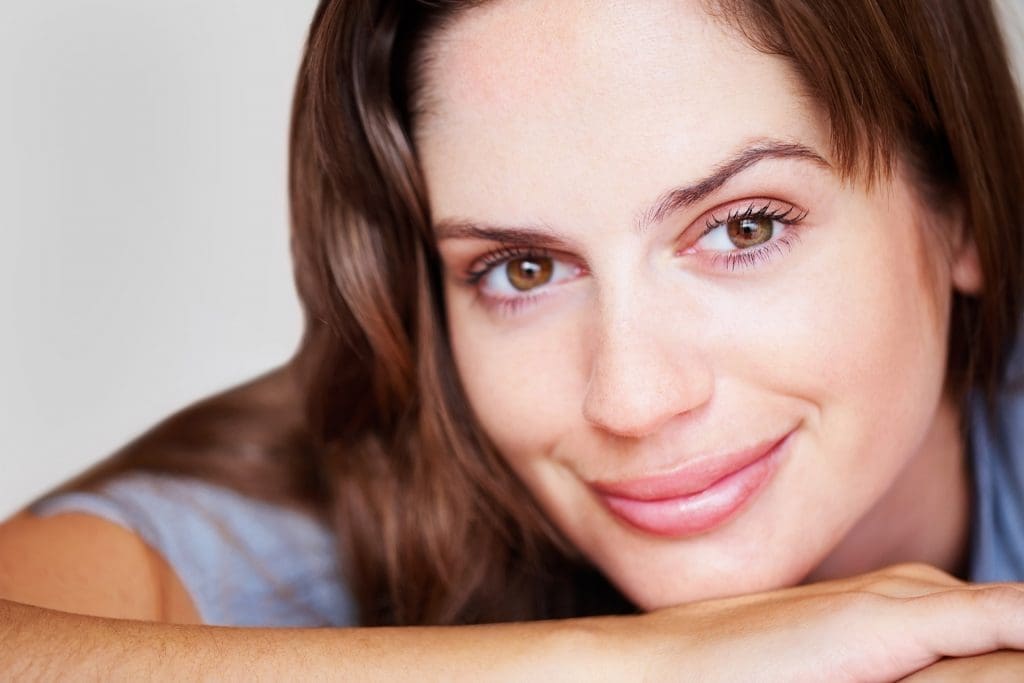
<point>367,426</point>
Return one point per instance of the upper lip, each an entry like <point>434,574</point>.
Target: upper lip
<point>691,477</point>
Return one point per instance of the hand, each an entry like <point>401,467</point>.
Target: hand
<point>1004,665</point>
<point>880,626</point>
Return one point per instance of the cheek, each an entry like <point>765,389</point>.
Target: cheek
<point>858,310</point>
<point>878,330</point>
<point>522,380</point>
<point>861,339</point>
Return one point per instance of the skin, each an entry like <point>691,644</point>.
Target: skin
<point>646,349</point>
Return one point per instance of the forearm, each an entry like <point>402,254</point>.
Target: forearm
<point>37,643</point>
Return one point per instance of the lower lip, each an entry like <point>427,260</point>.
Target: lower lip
<point>699,512</point>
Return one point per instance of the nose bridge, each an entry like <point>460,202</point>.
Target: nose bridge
<point>645,367</point>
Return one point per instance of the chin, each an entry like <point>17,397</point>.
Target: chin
<point>655,593</point>
<point>658,573</point>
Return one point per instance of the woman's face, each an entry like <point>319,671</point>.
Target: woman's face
<point>706,355</point>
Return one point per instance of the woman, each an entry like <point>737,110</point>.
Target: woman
<point>698,314</point>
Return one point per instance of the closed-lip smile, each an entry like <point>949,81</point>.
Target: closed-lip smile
<point>696,496</point>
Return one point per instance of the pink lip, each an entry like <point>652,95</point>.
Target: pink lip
<point>697,496</point>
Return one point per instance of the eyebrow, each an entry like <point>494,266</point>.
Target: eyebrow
<point>681,197</point>
<point>677,198</point>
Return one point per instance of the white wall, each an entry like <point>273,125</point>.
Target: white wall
<point>143,229</point>
<point>1013,20</point>
<point>143,224</point>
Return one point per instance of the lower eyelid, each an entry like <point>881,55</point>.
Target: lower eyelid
<point>755,256</point>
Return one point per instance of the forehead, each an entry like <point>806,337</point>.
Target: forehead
<point>533,107</point>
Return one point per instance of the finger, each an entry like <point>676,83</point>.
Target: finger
<point>906,580</point>
<point>923,572</point>
<point>884,638</point>
<point>969,621</point>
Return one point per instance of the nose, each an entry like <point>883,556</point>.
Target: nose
<point>644,371</point>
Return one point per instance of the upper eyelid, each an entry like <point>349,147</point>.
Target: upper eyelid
<point>750,205</point>
<point>500,254</point>
<point>722,213</point>
<point>495,258</point>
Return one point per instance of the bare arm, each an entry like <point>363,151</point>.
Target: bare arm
<point>81,563</point>
<point>37,643</point>
<point>81,597</point>
<point>793,635</point>
<point>101,612</point>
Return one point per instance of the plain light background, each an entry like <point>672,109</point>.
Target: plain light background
<point>143,219</point>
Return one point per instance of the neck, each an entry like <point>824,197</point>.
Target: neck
<point>924,516</point>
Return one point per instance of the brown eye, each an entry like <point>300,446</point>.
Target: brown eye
<point>749,232</point>
<point>527,273</point>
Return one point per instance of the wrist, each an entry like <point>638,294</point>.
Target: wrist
<point>604,649</point>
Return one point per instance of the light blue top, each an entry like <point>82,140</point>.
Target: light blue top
<point>997,445</point>
<point>249,563</point>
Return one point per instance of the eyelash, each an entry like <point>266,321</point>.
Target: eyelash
<point>483,265</point>
<point>732,261</point>
<point>754,256</point>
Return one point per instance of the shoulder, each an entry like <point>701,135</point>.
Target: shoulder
<point>79,562</point>
<point>242,561</point>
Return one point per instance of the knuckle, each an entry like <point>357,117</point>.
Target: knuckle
<point>857,603</point>
<point>922,571</point>
<point>997,595</point>
<point>895,586</point>
<point>992,599</point>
